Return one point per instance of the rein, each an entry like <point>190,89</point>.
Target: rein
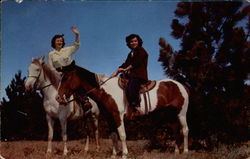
<point>46,86</point>
<point>99,85</point>
<point>102,83</point>
<point>34,76</point>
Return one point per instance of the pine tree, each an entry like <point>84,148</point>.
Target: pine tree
<point>214,61</point>
<point>19,113</point>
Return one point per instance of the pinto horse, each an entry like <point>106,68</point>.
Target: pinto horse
<point>112,102</point>
<point>43,78</point>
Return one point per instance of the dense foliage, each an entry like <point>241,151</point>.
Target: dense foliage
<point>22,117</point>
<point>214,61</point>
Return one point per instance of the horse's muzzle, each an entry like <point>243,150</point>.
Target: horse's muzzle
<point>61,100</point>
<point>28,88</point>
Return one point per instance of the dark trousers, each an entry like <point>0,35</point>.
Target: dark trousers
<point>132,91</point>
<point>67,68</point>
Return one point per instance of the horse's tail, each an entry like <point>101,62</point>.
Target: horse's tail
<point>187,88</point>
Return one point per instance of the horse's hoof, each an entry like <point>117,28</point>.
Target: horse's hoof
<point>65,152</point>
<point>49,151</point>
<point>185,151</point>
<point>98,149</point>
<point>48,154</point>
<point>86,150</point>
<point>124,156</point>
<point>177,151</point>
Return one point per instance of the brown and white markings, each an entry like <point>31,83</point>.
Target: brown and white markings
<point>112,102</point>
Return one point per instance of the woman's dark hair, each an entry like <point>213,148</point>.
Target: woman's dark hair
<point>54,39</point>
<point>131,36</point>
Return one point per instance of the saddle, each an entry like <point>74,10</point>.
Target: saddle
<point>144,89</point>
<point>123,82</point>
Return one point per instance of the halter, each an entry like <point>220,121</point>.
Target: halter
<point>37,77</point>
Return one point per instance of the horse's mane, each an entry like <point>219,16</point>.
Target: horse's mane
<point>101,78</point>
<point>90,77</point>
<point>49,73</point>
<point>52,75</point>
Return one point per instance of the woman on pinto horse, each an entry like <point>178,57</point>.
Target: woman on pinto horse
<point>60,59</point>
<point>136,68</point>
<point>110,99</point>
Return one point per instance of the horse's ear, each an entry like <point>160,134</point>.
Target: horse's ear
<point>32,59</point>
<point>42,59</point>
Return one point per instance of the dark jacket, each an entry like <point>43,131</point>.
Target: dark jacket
<point>139,62</point>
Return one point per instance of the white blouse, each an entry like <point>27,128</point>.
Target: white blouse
<point>63,57</point>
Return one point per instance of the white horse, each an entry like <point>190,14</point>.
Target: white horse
<point>112,102</point>
<point>43,78</point>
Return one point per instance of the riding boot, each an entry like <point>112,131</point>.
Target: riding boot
<point>128,115</point>
<point>87,106</point>
<point>137,112</point>
<point>133,112</point>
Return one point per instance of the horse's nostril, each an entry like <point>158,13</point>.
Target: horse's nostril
<point>60,100</point>
<point>57,97</point>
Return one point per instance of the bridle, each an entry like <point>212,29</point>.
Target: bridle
<point>37,77</point>
<point>89,91</point>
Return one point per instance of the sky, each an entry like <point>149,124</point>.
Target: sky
<point>27,29</point>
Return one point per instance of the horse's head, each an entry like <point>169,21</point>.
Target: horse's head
<point>78,81</point>
<point>35,71</point>
<point>69,83</point>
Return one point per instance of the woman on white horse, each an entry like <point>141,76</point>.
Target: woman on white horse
<point>60,59</point>
<point>135,67</point>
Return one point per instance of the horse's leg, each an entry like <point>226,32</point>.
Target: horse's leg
<point>50,122</point>
<point>115,148</point>
<point>176,134</point>
<point>63,123</point>
<point>122,134</point>
<point>87,128</point>
<point>86,148</point>
<point>185,130</point>
<point>95,118</point>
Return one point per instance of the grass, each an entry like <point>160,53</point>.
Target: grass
<point>137,150</point>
